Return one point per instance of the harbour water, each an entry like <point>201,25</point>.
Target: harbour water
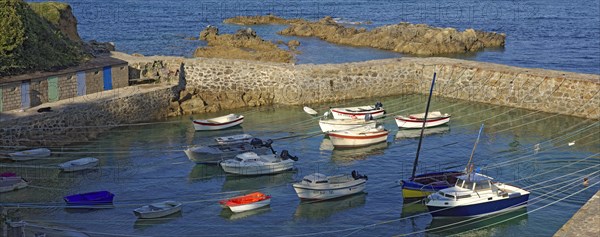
<point>142,164</point>
<point>552,34</point>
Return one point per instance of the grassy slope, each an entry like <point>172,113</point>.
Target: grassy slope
<point>29,42</point>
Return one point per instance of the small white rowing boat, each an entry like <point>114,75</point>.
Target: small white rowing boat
<point>247,202</point>
<point>356,138</point>
<point>435,118</point>
<point>10,182</point>
<point>218,123</point>
<point>330,125</point>
<point>157,210</point>
<point>239,138</point>
<point>250,163</point>
<point>79,164</point>
<point>359,112</point>
<point>310,111</point>
<point>321,187</point>
<point>30,154</point>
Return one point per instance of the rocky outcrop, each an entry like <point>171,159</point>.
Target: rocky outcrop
<point>416,39</point>
<point>260,20</point>
<point>244,44</point>
<point>407,38</point>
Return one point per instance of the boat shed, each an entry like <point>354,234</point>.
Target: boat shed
<point>33,89</point>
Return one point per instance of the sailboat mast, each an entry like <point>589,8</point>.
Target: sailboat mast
<point>473,151</point>
<point>423,127</point>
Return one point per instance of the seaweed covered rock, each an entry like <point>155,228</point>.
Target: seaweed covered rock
<point>29,42</point>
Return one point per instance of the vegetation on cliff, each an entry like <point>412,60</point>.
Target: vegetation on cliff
<point>244,44</point>
<point>417,39</point>
<point>29,42</point>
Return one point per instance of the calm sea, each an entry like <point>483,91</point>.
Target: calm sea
<point>550,34</point>
<point>144,164</point>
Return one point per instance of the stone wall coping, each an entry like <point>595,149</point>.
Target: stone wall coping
<point>95,63</point>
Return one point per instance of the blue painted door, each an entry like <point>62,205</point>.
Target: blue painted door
<point>80,83</point>
<point>107,74</point>
<point>25,99</point>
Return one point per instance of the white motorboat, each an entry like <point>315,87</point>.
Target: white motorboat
<point>213,154</point>
<point>79,164</point>
<point>309,110</point>
<point>247,202</point>
<point>476,194</point>
<point>435,118</point>
<point>157,210</point>
<point>218,123</point>
<point>355,138</point>
<point>371,111</point>
<point>330,125</point>
<point>319,186</point>
<point>10,182</point>
<point>234,139</point>
<point>250,163</point>
<point>30,154</point>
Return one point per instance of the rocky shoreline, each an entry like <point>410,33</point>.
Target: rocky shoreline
<point>415,39</point>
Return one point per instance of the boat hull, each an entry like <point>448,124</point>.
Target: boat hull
<point>30,154</point>
<point>437,182</point>
<point>72,166</point>
<point>202,126</point>
<point>250,206</point>
<point>404,122</point>
<point>8,184</point>
<point>340,113</point>
<point>314,193</point>
<point>90,199</point>
<point>142,214</point>
<point>258,169</point>
<point>479,209</point>
<point>343,140</point>
<point>208,157</point>
<point>345,125</point>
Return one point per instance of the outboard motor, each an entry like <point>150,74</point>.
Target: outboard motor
<point>268,143</point>
<point>256,142</point>
<point>368,117</point>
<point>286,155</point>
<point>356,175</point>
<point>378,105</point>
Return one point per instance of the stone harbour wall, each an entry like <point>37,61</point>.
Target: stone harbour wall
<point>198,85</point>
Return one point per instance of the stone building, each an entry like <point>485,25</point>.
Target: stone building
<point>33,89</point>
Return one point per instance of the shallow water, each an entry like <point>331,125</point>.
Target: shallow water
<point>553,34</point>
<point>144,164</point>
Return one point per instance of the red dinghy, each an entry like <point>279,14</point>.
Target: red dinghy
<point>247,202</point>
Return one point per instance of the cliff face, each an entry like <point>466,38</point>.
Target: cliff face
<point>29,42</point>
<point>244,44</point>
<point>60,15</point>
<point>416,39</point>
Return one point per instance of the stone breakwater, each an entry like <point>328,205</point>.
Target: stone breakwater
<point>201,85</point>
<point>416,39</point>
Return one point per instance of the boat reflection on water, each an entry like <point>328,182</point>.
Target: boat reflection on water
<point>349,155</point>
<point>416,133</point>
<point>413,209</point>
<point>484,225</point>
<point>202,172</point>
<point>228,214</point>
<point>145,223</point>
<point>238,182</point>
<point>316,210</point>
